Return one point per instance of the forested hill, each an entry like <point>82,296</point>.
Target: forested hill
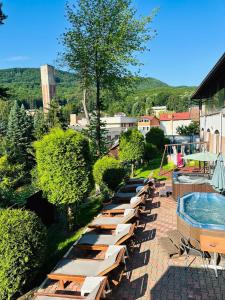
<point>24,86</point>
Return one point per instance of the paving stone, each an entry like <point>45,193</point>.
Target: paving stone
<point>156,277</point>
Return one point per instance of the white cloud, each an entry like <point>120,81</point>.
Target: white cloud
<point>17,58</point>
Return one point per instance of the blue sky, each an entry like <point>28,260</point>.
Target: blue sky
<point>191,36</point>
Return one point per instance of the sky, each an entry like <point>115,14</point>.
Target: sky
<point>190,36</point>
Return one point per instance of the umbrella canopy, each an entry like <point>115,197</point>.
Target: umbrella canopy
<point>201,156</point>
<point>218,178</point>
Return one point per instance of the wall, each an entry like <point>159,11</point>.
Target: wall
<point>208,127</point>
<point>170,127</point>
<point>118,121</point>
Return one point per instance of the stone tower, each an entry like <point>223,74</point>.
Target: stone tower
<point>48,85</point>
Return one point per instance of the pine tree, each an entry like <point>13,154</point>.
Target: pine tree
<point>55,117</point>
<point>19,137</point>
<point>92,135</point>
<point>40,125</point>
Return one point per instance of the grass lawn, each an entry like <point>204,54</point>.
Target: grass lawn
<point>153,168</point>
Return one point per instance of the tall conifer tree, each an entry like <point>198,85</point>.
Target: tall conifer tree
<point>40,125</point>
<point>19,136</point>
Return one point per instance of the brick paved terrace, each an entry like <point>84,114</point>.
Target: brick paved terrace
<point>153,276</point>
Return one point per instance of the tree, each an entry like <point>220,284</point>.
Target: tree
<point>4,114</point>
<point>11,176</point>
<point>19,137</point>
<point>4,93</point>
<point>151,152</point>
<point>40,125</point>
<point>63,168</point>
<point>90,132</point>
<point>156,137</point>
<point>2,15</point>
<point>131,147</point>
<point>191,129</point>
<point>101,43</point>
<point>22,250</point>
<point>55,117</point>
<point>108,170</point>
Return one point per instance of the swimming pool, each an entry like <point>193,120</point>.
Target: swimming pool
<point>203,210</point>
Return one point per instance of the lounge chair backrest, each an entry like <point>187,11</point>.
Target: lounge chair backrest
<point>128,212</point>
<point>91,286</point>
<point>139,188</point>
<point>125,195</point>
<point>110,258</point>
<point>134,201</point>
<point>122,230</point>
<point>93,294</point>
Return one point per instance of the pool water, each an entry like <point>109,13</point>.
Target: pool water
<point>205,210</point>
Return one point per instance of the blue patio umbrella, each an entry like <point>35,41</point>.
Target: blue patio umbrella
<point>218,178</point>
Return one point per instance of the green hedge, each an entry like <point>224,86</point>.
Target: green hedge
<point>109,171</point>
<point>151,152</point>
<point>22,250</point>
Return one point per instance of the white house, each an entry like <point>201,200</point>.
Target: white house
<point>114,125</point>
<point>169,122</point>
<point>145,123</point>
<point>118,124</point>
<point>157,110</point>
<point>210,97</point>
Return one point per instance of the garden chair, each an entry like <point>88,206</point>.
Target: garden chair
<point>191,247</point>
<point>106,222</point>
<point>90,288</point>
<point>67,269</point>
<point>94,241</point>
<point>119,208</point>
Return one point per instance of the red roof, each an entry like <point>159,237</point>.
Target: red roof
<point>175,116</point>
<point>147,117</point>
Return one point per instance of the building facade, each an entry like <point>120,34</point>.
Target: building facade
<point>114,125</point>
<point>145,123</point>
<point>118,124</point>
<point>210,97</point>
<point>158,110</point>
<point>48,85</point>
<point>169,122</point>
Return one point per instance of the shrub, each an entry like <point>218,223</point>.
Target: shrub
<point>151,152</point>
<point>156,137</point>
<point>108,170</point>
<point>63,168</point>
<point>131,147</point>
<point>22,250</point>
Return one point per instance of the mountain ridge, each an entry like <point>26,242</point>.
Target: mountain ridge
<point>24,85</point>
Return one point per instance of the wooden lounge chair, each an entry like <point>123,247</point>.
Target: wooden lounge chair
<point>130,188</point>
<point>95,241</point>
<point>67,269</point>
<point>126,197</point>
<point>119,208</point>
<point>91,288</point>
<point>106,222</point>
<point>137,181</point>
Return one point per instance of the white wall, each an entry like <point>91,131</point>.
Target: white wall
<point>213,122</point>
<point>117,121</point>
<point>170,127</point>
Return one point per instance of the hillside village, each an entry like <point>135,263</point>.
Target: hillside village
<point>112,184</point>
